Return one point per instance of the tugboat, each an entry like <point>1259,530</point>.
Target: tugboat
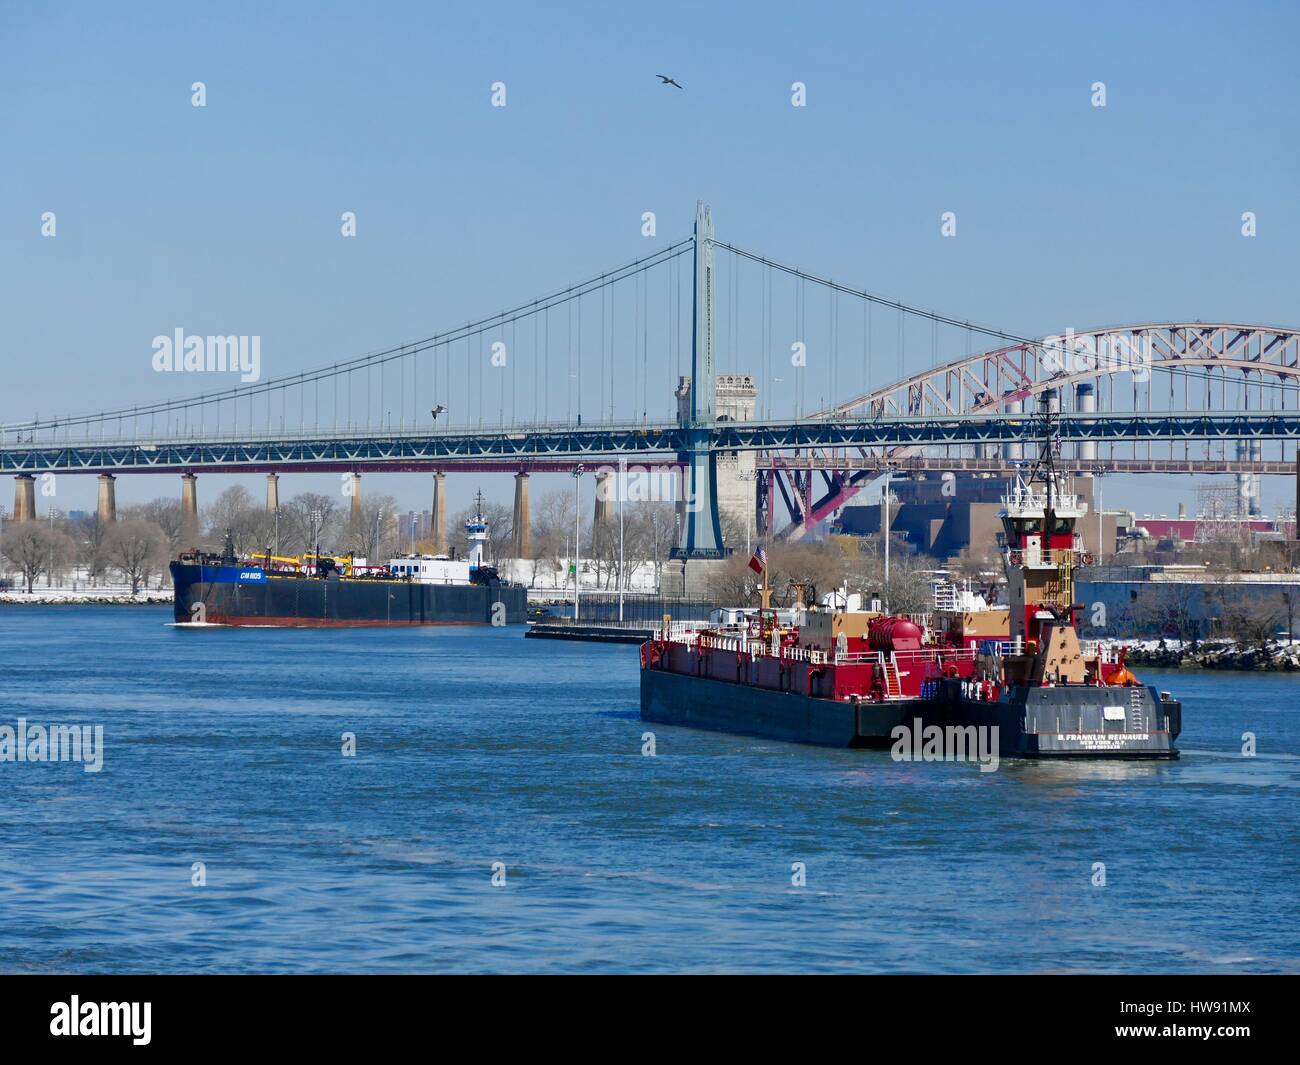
<point>315,591</point>
<point>1018,676</point>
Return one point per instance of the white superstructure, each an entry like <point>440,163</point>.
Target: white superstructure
<point>439,569</point>
<point>431,569</point>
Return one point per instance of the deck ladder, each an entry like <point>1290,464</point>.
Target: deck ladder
<point>1136,717</point>
<point>893,685</point>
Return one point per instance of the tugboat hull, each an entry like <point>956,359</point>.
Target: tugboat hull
<point>1068,721</point>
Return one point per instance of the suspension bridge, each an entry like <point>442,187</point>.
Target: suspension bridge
<point>623,368</point>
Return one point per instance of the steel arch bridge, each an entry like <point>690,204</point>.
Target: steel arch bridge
<point>1153,397</point>
<point>1149,367</point>
<point>1003,377</point>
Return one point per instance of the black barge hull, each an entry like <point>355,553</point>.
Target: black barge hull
<point>1064,722</point>
<point>216,595</point>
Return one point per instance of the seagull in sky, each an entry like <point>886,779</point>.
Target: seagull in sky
<point>665,79</point>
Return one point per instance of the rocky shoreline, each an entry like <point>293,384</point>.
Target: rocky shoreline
<point>151,597</point>
<point>1216,655</point>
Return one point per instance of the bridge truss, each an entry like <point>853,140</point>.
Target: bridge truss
<point>1174,367</point>
<point>1191,396</point>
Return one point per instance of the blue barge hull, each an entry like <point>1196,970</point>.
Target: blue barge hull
<point>234,595</point>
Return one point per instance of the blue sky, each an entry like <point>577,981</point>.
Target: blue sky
<point>225,219</point>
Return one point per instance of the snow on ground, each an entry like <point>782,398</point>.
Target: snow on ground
<point>69,596</point>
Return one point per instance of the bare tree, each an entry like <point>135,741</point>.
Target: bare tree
<point>553,530</point>
<point>33,548</point>
<point>974,562</point>
<point>906,592</point>
<point>656,531</point>
<point>733,583</point>
<point>88,535</point>
<point>1249,621</point>
<point>250,525</point>
<point>375,535</point>
<point>307,520</point>
<point>167,515</point>
<point>1288,608</point>
<point>136,549</point>
<point>817,566</point>
<point>1180,610</point>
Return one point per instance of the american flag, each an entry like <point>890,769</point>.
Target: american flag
<point>758,562</point>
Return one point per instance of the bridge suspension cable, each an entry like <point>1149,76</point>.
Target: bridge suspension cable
<point>1060,348</point>
<point>378,359</point>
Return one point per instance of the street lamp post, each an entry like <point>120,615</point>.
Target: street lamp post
<point>577,534</point>
<point>1101,528</point>
<point>884,527</point>
<point>622,565</point>
<point>1097,473</point>
<point>317,517</point>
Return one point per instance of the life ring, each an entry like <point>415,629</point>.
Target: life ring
<point>1016,558</point>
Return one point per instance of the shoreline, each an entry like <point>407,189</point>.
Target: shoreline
<point>1217,654</point>
<point>59,597</point>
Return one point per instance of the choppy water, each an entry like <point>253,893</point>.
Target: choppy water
<point>476,746</point>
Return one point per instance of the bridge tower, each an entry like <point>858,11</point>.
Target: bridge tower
<point>700,535</point>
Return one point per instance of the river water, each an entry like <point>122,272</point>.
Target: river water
<point>476,747</point>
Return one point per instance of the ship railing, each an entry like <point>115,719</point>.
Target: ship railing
<point>1104,650</point>
<point>1022,497</point>
<point>1047,556</point>
<point>945,595</point>
<point>686,631</point>
<point>934,654</point>
<point>718,641</point>
<point>796,653</point>
<point>710,638</point>
<point>859,658</point>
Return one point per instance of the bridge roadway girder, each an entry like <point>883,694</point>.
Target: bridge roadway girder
<point>394,452</point>
<point>958,464</point>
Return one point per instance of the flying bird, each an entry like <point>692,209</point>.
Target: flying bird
<point>666,80</point>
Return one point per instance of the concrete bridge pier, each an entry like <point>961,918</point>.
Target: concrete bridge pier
<point>107,509</point>
<point>354,487</point>
<point>602,521</point>
<point>272,492</point>
<point>24,497</point>
<point>438,521</point>
<point>190,508</point>
<point>521,525</point>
